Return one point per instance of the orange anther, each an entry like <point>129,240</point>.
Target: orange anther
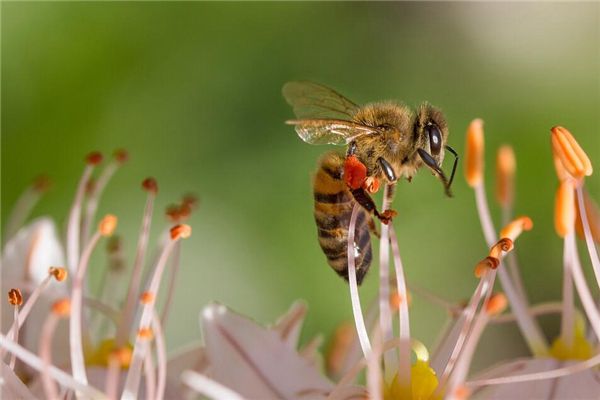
<point>15,297</point>
<point>59,273</point>
<point>121,155</point>
<point>496,304</point>
<point>107,225</point>
<point>41,183</point>
<point>62,307</point>
<point>485,265</point>
<point>474,153</point>
<point>150,185</point>
<point>146,297</point>
<point>564,208</point>
<point>516,227</point>
<point>503,245</point>
<point>145,333</point>
<point>181,231</point>
<point>571,155</point>
<point>94,158</point>
<point>355,172</point>
<point>505,173</point>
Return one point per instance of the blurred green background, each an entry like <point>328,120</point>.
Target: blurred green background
<point>193,91</point>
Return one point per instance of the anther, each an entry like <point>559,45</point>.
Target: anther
<point>485,265</point>
<point>150,185</point>
<point>474,153</point>
<point>41,184</point>
<point>570,153</point>
<point>516,227</point>
<point>173,213</point>
<point>505,172</point>
<point>355,172</point>
<point>15,297</point>
<point>181,231</point>
<point>190,200</point>
<point>146,297</point>
<point>122,355</point>
<point>564,208</point>
<point>496,304</point>
<point>59,273</point>
<point>145,333</point>
<point>121,156</point>
<point>503,245</point>
<point>107,225</point>
<point>62,307</point>
<point>94,158</point>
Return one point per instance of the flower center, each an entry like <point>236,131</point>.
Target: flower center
<point>423,383</point>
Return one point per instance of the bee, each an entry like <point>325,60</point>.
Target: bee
<point>385,141</point>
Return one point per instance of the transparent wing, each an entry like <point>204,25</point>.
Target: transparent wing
<point>311,100</point>
<point>329,131</point>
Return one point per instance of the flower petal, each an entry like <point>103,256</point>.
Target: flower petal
<point>255,361</point>
<point>289,324</point>
<point>12,387</point>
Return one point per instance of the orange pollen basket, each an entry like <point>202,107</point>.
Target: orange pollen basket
<point>355,172</point>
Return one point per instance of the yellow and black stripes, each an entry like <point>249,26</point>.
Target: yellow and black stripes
<point>333,208</point>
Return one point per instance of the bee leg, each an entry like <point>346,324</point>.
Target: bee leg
<point>431,163</point>
<point>363,198</point>
<point>373,228</point>
<point>387,169</point>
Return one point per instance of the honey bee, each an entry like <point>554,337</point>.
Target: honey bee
<point>385,142</point>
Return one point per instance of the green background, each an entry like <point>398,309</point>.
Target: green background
<point>193,91</point>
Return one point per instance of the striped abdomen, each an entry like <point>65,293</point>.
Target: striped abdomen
<point>333,208</point>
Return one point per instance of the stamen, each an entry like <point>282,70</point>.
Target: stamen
<point>15,299</point>
<point>124,328</point>
<point>60,376</point>
<point>496,304</point>
<point>139,354</point>
<point>592,212</point>
<point>514,229</point>
<point>404,364</point>
<point>505,175</point>
<point>567,323</point>
<point>361,330</point>
<point>208,387</point>
<point>474,154</point>
<point>390,358</point>
<point>60,309</point>
<point>561,172</point>
<point>105,228</point>
<point>564,209</point>
<point>73,224</point>
<point>589,240</point>
<point>120,156</point>
<point>172,281</point>
<point>161,356</point>
<point>24,205</point>
<point>572,156</point>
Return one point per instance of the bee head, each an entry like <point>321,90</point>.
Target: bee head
<point>431,131</point>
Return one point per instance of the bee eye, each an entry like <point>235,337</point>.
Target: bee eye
<point>435,139</point>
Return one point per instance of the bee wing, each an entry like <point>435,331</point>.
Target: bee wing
<point>311,100</point>
<point>329,131</point>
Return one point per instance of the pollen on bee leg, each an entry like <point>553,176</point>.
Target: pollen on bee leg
<point>516,227</point>
<point>15,297</point>
<point>355,172</point>
<point>474,153</point>
<point>371,184</point>
<point>570,153</point>
<point>59,273</point>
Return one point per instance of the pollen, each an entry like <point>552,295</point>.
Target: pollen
<point>121,156</point>
<point>474,153</point>
<point>505,174</point>
<point>371,185</point>
<point>396,300</point>
<point>94,158</point>
<point>503,245</point>
<point>15,297</point>
<point>182,231</point>
<point>496,304</point>
<point>570,153</point>
<point>561,172</point>
<point>107,225</point>
<point>59,273</point>
<point>564,208</point>
<point>145,333</point>
<point>581,349</point>
<point>423,384</point>
<point>355,172</point>
<point>516,227</point>
<point>150,185</point>
<point>62,307</point>
<point>146,298</point>
<point>107,350</point>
